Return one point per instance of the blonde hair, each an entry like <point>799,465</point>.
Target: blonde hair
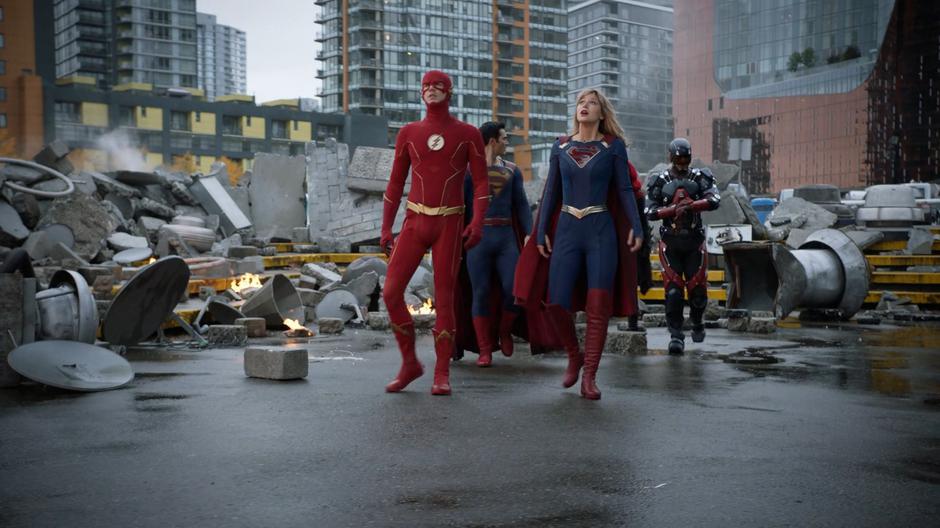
<point>608,125</point>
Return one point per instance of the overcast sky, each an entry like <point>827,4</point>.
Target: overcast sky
<point>280,47</point>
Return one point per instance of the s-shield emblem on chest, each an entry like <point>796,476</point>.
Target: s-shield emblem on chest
<point>583,154</point>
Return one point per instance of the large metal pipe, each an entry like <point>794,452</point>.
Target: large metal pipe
<point>827,271</point>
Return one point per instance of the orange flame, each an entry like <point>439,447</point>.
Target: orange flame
<point>246,281</point>
<point>425,309</point>
<point>294,324</point>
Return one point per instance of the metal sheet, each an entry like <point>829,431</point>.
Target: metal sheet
<point>216,200</point>
<point>71,365</point>
<point>141,306</point>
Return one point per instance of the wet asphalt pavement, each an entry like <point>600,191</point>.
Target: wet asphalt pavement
<point>845,431</point>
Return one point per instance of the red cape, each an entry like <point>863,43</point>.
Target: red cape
<point>531,280</point>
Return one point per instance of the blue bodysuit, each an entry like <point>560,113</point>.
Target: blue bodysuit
<point>499,249</point>
<point>580,176</point>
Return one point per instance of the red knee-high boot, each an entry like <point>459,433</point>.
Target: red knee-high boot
<point>443,349</point>
<point>505,332</point>
<point>411,368</point>
<point>564,325</point>
<point>598,308</point>
<point>484,330</point>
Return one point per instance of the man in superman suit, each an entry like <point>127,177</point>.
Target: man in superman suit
<point>677,197</point>
<point>438,150</point>
<point>492,264</point>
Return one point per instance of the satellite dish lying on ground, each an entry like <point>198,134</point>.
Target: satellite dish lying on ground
<point>71,365</point>
<point>146,301</point>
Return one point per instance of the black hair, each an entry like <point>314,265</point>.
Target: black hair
<point>490,130</point>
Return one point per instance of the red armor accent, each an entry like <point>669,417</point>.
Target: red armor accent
<point>670,275</point>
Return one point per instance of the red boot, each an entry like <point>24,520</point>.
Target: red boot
<point>411,368</point>
<point>443,349</point>
<point>598,308</point>
<point>484,329</point>
<point>564,324</point>
<point>505,332</point>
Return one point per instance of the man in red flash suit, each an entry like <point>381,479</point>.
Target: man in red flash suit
<point>438,149</point>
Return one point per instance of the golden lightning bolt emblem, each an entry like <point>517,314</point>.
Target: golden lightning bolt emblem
<point>436,142</point>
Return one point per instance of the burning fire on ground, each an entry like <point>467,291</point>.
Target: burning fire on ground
<point>295,329</point>
<point>425,309</point>
<point>247,281</point>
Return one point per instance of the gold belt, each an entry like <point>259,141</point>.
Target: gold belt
<point>581,213</point>
<point>434,211</point>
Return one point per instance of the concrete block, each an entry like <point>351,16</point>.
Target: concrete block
<point>738,324</point>
<point>654,320</point>
<point>256,326</point>
<point>655,308</point>
<point>206,291</point>
<point>12,229</point>
<point>378,321</point>
<point>762,325</point>
<point>276,363</point>
<point>237,252</point>
<point>306,248</point>
<point>51,153</point>
<point>713,311</point>
<point>300,235</point>
<point>424,321</point>
<point>247,265</point>
<point>227,335</point>
<point>625,343</point>
<point>331,325</point>
<point>11,320</point>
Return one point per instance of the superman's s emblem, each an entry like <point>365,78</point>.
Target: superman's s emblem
<point>498,178</point>
<point>583,154</point>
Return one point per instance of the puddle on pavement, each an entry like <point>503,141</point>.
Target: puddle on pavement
<point>898,362</point>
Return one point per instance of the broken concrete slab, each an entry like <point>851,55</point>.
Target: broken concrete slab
<point>277,194</point>
<point>321,273</point>
<point>216,200</point>
<point>364,286</point>
<point>625,343</point>
<point>28,208</point>
<point>735,210</point>
<point>276,363</point>
<point>154,207</point>
<point>64,254</point>
<point>919,242</point>
<point>89,221</point>
<point>122,241</point>
<point>150,225</point>
<point>108,185</point>
<point>799,213</point>
<point>12,230</point>
<point>369,170</point>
